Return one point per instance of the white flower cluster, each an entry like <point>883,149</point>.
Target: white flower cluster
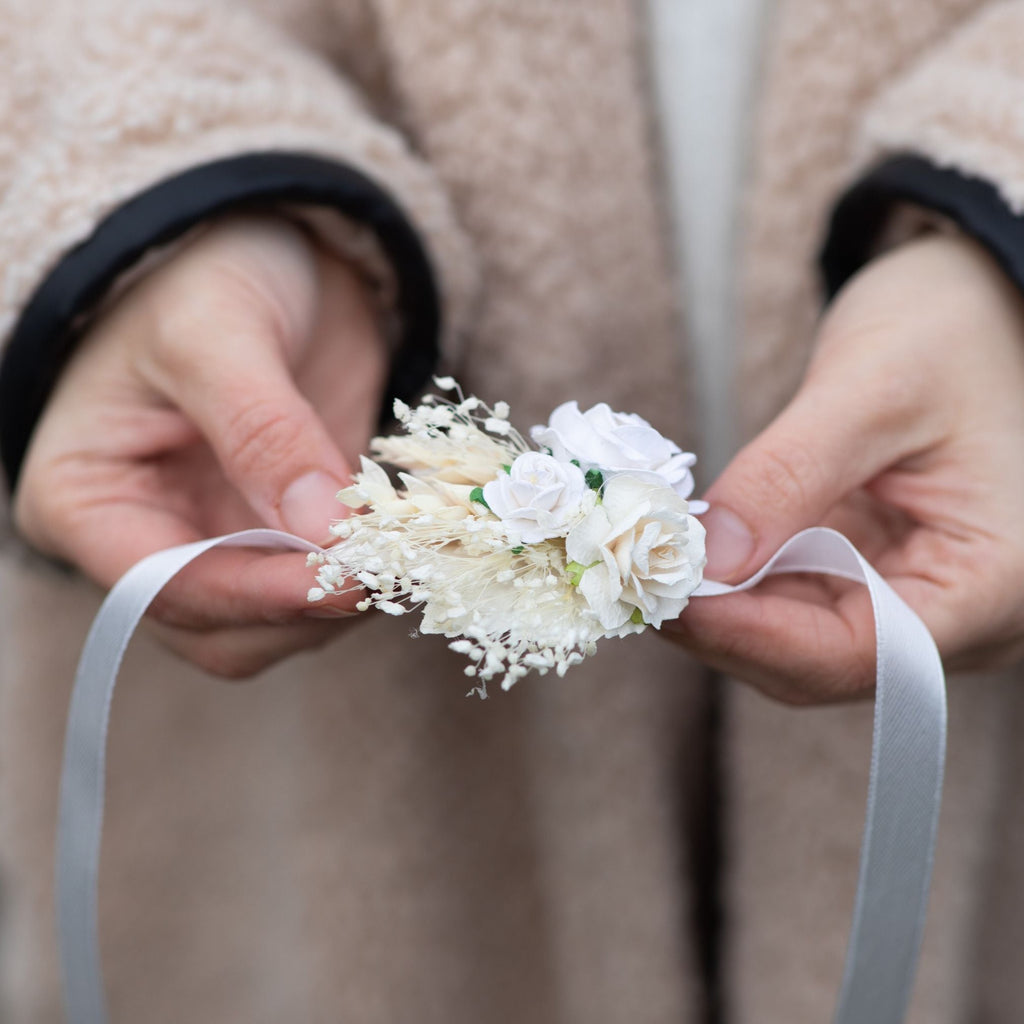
<point>525,558</point>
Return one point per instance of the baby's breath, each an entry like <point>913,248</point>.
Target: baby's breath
<point>431,544</point>
<point>509,608</point>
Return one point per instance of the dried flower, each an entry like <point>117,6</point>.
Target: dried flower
<point>523,559</point>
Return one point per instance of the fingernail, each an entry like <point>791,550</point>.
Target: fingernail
<point>310,503</point>
<point>730,542</point>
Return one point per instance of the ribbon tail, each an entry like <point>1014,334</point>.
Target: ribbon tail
<point>904,789</point>
<point>80,809</point>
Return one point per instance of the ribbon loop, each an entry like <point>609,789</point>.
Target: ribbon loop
<point>904,791</point>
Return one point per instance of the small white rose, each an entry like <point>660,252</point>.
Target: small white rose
<point>539,497</point>
<point>616,442</point>
<point>637,556</point>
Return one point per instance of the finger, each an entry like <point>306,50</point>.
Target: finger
<point>836,435</point>
<point>242,652</point>
<point>240,587</point>
<point>229,375</point>
<point>964,594</point>
<point>270,442</point>
<point>796,639</point>
<point>345,335</point>
<point>223,587</point>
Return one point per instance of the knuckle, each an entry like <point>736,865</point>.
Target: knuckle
<point>890,383</point>
<point>825,672</point>
<point>896,391</point>
<point>847,682</point>
<point>234,668</point>
<point>853,680</point>
<point>30,516</point>
<point>792,694</point>
<point>169,612</point>
<point>897,407</point>
<point>179,317</point>
<point>260,436</point>
<point>44,514</point>
<point>238,656</point>
<point>788,474</point>
<point>251,276</point>
<point>189,303</point>
<point>218,656</point>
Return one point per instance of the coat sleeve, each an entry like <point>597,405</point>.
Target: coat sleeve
<point>948,137</point>
<point>127,124</point>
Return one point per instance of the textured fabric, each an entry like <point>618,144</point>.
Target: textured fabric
<point>107,100</point>
<point>527,858</point>
<point>61,309</point>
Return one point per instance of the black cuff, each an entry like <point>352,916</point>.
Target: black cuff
<point>51,322</point>
<point>973,204</point>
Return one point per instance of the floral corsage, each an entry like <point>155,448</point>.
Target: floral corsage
<point>525,556</point>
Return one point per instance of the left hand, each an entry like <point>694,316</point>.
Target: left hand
<point>232,387</point>
<point>907,435</point>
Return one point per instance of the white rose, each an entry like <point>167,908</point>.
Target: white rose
<point>615,442</point>
<point>638,555</point>
<point>539,496</point>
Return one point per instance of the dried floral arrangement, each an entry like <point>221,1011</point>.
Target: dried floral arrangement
<point>523,555</point>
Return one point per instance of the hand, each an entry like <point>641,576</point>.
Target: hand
<point>232,387</point>
<point>907,435</point>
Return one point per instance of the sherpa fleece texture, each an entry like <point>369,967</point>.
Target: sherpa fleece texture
<point>106,99</point>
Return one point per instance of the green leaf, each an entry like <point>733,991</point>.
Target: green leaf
<point>575,462</point>
<point>518,549</point>
<point>505,466</point>
<point>594,479</point>
<point>575,571</point>
<point>477,497</point>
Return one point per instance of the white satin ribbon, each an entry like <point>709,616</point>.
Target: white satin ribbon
<point>904,790</point>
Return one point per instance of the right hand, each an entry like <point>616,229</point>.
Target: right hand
<point>906,435</point>
<point>233,387</point>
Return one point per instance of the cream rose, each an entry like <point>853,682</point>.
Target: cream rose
<point>637,556</point>
<point>539,497</point>
<point>614,443</point>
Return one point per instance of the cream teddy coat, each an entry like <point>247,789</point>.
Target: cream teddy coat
<point>348,837</point>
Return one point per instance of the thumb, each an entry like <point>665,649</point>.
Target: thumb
<point>271,444</point>
<point>824,445</point>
